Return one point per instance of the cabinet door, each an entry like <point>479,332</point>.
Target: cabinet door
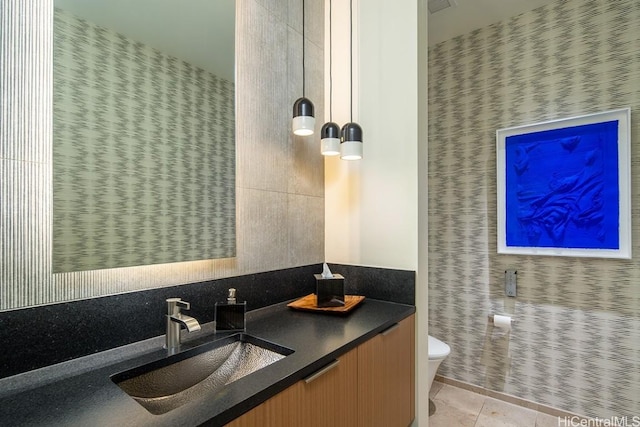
<point>330,396</point>
<point>282,410</point>
<point>386,377</point>
<point>327,398</point>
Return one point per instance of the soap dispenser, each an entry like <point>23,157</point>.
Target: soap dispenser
<point>231,299</point>
<point>230,316</point>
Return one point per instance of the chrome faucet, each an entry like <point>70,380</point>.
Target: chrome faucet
<point>176,320</point>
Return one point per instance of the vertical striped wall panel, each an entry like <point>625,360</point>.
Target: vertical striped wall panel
<point>25,152</point>
<point>576,341</point>
<point>264,242</point>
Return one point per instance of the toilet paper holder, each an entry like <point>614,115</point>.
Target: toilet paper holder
<point>491,319</point>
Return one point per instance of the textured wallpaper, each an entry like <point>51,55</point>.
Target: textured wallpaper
<point>143,153</point>
<point>279,178</point>
<point>576,341</point>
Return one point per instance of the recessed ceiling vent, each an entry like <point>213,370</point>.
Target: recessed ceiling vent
<point>438,5</point>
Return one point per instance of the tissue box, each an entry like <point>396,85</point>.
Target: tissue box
<point>329,292</point>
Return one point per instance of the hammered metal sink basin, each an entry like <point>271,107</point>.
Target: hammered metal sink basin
<point>169,383</point>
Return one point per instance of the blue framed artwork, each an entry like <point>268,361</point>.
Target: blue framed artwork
<point>564,187</point>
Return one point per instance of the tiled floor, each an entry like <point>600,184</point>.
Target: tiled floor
<point>457,407</point>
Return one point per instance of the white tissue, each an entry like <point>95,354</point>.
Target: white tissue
<point>502,322</point>
<point>326,273</point>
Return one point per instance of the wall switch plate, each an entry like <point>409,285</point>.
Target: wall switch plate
<point>510,279</point>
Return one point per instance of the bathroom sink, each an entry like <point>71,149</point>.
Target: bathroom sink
<point>166,384</point>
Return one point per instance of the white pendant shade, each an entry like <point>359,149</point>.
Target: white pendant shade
<point>303,125</point>
<point>351,150</point>
<point>330,146</point>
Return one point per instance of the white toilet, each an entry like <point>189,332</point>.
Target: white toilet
<point>438,351</point>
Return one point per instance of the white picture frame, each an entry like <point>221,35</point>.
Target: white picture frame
<point>564,187</point>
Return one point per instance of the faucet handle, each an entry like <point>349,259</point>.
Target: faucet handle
<point>175,304</point>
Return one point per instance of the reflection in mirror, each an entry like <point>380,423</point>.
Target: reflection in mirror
<point>144,132</point>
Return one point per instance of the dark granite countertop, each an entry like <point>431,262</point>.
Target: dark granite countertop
<point>87,396</point>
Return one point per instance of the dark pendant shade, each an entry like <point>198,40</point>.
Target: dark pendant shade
<point>303,107</point>
<point>330,130</point>
<point>351,132</point>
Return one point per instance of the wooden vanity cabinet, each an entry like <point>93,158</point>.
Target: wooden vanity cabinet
<point>371,385</point>
<point>386,377</point>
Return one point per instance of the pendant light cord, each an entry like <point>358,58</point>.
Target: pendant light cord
<point>351,55</point>
<point>303,54</point>
<point>330,65</point>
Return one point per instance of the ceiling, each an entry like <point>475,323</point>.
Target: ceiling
<point>201,32</point>
<point>193,33</point>
<point>468,15</point>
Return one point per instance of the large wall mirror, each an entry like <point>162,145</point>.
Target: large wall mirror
<point>143,132</point>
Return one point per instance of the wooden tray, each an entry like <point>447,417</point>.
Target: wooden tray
<point>308,303</point>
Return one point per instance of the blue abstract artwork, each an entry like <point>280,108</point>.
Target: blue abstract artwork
<point>562,188</point>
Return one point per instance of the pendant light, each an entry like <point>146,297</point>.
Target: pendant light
<point>330,133</point>
<point>351,134</point>
<point>303,120</point>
